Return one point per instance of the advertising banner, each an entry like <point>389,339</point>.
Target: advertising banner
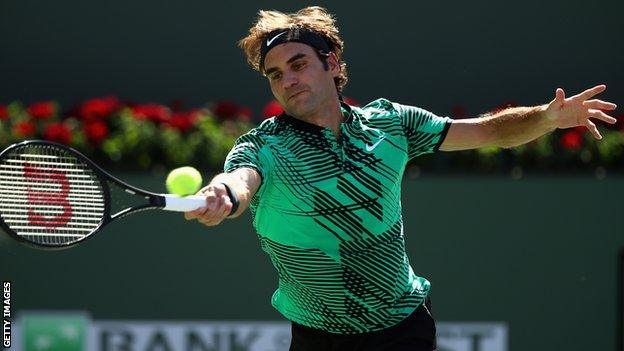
<point>76,331</point>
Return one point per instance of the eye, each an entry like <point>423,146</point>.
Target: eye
<point>275,76</point>
<point>298,66</point>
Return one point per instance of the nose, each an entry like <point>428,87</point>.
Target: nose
<point>289,80</point>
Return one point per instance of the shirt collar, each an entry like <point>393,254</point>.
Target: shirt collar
<point>347,111</point>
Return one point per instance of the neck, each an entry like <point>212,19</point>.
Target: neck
<point>327,116</point>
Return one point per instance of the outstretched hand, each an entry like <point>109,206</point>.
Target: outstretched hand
<point>577,110</point>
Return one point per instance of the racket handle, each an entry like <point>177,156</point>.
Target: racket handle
<point>183,204</point>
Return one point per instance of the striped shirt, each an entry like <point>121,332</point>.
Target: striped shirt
<point>328,213</point>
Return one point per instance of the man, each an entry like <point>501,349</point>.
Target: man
<point>323,182</point>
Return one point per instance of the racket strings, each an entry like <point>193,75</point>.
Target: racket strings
<point>48,196</point>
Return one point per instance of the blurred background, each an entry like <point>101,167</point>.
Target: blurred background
<point>526,238</point>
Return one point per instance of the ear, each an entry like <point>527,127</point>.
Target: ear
<point>334,64</point>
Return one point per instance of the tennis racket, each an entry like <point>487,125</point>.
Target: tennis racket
<point>53,196</point>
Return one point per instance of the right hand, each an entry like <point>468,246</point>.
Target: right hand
<point>218,205</point>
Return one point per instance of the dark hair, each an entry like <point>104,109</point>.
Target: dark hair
<point>315,18</point>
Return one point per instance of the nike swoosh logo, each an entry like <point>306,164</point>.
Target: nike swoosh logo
<point>269,41</point>
<point>370,148</point>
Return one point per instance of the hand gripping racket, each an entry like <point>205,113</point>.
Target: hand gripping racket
<point>53,196</point>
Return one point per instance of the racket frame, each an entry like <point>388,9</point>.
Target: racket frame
<point>155,201</point>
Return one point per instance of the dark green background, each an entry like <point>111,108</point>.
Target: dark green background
<point>434,54</point>
<point>539,254</point>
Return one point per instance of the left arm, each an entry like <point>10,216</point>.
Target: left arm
<point>519,125</point>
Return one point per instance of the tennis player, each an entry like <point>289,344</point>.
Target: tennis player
<point>323,183</point>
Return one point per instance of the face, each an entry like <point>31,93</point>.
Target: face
<point>299,80</point>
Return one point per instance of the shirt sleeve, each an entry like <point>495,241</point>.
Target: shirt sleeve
<point>246,153</point>
<point>424,131</point>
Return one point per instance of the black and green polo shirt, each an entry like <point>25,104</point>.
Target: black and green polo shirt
<point>328,213</point>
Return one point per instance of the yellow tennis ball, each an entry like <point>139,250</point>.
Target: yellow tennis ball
<point>184,181</point>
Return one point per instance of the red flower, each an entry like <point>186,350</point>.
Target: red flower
<point>580,130</point>
<point>183,121</point>
<point>273,108</point>
<point>58,132</point>
<point>96,131</point>
<point>226,109</point>
<point>153,112</point>
<point>3,112</point>
<point>99,107</point>
<point>350,101</point>
<point>245,114</point>
<point>42,110</point>
<point>24,129</point>
<point>572,140</point>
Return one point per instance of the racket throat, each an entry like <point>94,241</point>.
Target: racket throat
<point>158,201</point>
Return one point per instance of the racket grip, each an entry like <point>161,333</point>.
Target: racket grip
<point>183,204</point>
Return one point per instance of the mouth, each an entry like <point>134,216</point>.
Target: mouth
<point>296,94</point>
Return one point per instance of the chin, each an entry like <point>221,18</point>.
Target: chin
<point>297,109</point>
<point>302,107</point>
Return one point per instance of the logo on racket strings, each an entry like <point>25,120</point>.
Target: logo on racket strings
<point>42,178</point>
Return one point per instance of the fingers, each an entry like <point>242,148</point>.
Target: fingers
<point>590,92</point>
<point>592,128</point>
<point>212,202</point>
<point>219,213</point>
<point>194,214</point>
<point>218,207</point>
<point>599,104</point>
<point>212,217</point>
<point>559,97</point>
<point>601,116</point>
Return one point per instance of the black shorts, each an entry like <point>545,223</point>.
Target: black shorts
<point>416,333</point>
